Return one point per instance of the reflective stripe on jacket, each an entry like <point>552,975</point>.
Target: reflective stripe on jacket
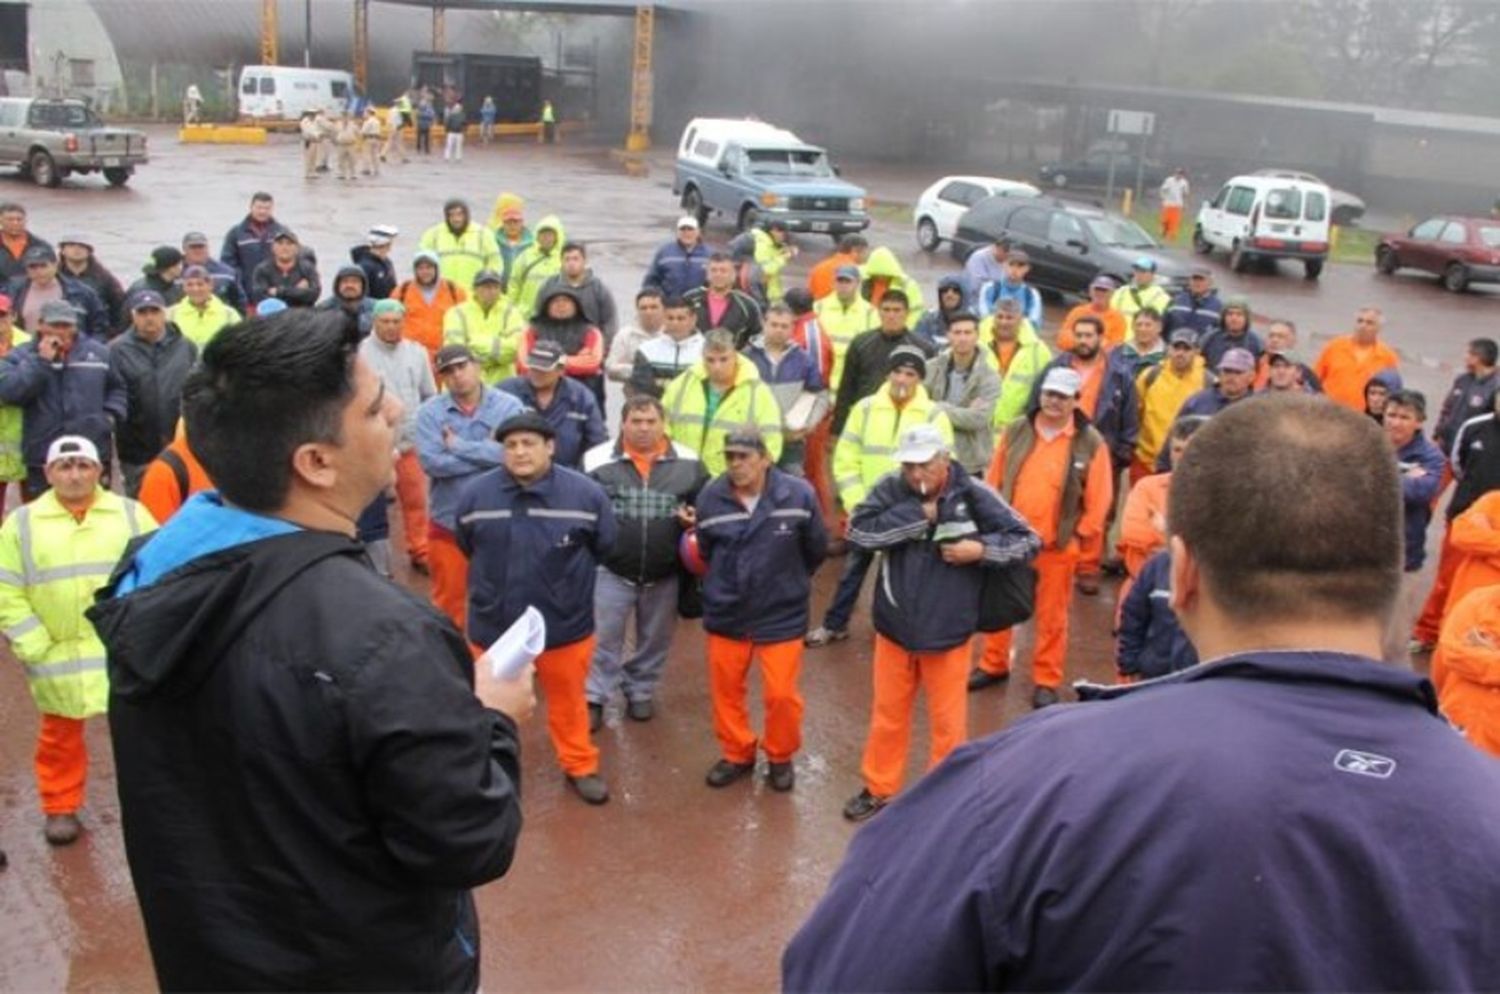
<point>50,566</point>
<point>463,256</point>
<point>494,335</point>
<point>749,403</point>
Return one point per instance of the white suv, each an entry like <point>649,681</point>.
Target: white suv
<point>944,202</point>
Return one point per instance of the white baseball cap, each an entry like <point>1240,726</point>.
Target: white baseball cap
<point>1062,380</point>
<point>920,444</point>
<point>687,221</point>
<point>72,447</point>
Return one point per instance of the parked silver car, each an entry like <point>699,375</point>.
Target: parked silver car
<point>49,139</point>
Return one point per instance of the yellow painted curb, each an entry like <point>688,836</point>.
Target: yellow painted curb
<point>222,135</point>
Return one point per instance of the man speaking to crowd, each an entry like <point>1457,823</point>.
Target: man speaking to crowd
<point>1290,815</point>
<point>308,784</point>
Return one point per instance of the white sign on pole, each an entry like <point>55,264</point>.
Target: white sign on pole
<point>1131,122</point>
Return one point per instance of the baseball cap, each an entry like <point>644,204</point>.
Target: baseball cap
<point>75,239</point>
<point>165,257</point>
<point>269,306</point>
<point>382,234</point>
<point>745,440</point>
<point>907,357</point>
<point>525,421</point>
<point>193,238</point>
<point>545,355</point>
<point>1183,336</point>
<point>1144,263</point>
<point>1201,270</point>
<point>285,235</point>
<point>72,447</point>
<point>846,273</point>
<point>921,444</point>
<point>453,355</point>
<point>1285,355</point>
<point>1102,283</point>
<point>38,253</point>
<point>687,221</point>
<point>196,273</point>
<point>1018,255</point>
<point>145,300</point>
<point>58,312</point>
<point>1063,380</point>
<point>489,276</point>
<point>1237,361</point>
<point>4,304</point>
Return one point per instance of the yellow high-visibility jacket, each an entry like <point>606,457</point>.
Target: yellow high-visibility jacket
<point>866,450</point>
<point>50,566</point>
<point>494,336</point>
<point>749,403</point>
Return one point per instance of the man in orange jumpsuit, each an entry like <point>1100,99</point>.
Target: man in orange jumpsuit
<point>1053,467</point>
<point>427,297</point>
<point>939,530</point>
<point>1466,667</point>
<point>1347,363</point>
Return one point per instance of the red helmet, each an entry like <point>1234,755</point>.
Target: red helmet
<point>689,554</point>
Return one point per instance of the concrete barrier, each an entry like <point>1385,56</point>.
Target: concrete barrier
<point>226,134</point>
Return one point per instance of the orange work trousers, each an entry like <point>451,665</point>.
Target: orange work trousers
<point>816,465</point>
<point>1171,223</point>
<point>728,672</point>
<point>1054,595</point>
<point>411,494</point>
<point>898,675</point>
<point>62,764</point>
<point>450,575</point>
<point>562,673</point>
<point>1430,622</point>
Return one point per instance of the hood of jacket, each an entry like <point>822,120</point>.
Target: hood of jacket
<point>357,273</point>
<point>183,595</point>
<point>559,289</point>
<point>883,263</point>
<point>953,283</point>
<point>1388,378</point>
<point>450,204</point>
<point>362,253</point>
<point>549,223</point>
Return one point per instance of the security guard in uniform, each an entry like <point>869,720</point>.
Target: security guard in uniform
<point>54,554</point>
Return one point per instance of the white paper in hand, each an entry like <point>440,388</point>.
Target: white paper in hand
<point>519,646</point>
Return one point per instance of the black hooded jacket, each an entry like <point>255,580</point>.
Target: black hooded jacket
<point>380,274</point>
<point>308,786</point>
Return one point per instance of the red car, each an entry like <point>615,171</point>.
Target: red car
<point>1461,250</point>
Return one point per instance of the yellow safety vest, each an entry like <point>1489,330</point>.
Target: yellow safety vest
<point>12,463</point>
<point>462,257</point>
<point>841,324</point>
<point>749,403</point>
<point>51,565</point>
<point>866,450</point>
<point>493,337</point>
<point>199,327</point>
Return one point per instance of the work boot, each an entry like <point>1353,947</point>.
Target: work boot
<point>62,830</point>
<point>1088,584</point>
<point>863,805</point>
<point>781,777</point>
<point>596,716</point>
<point>979,679</point>
<point>823,635</point>
<point>723,773</point>
<point>590,787</point>
<point>1044,697</point>
<point>1113,567</point>
<point>642,710</point>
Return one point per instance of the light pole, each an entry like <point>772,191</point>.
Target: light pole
<point>307,33</point>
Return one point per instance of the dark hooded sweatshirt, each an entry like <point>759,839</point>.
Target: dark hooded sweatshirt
<point>362,309</point>
<point>308,787</point>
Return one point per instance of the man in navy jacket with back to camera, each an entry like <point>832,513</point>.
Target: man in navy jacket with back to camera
<point>1246,824</point>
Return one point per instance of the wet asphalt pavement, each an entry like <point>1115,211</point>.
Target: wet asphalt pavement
<point>671,886</point>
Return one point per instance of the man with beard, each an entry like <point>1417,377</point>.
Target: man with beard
<point>289,276</point>
<point>464,247</point>
<point>427,298</point>
<point>350,298</point>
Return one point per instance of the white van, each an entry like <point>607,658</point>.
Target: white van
<point>1267,217</point>
<point>284,93</point>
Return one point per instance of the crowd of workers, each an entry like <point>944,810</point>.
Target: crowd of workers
<point>765,426</point>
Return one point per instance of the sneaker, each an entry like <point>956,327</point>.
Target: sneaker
<point>1088,584</point>
<point>863,805</point>
<point>781,777</point>
<point>62,830</point>
<point>1044,697</point>
<point>642,710</point>
<point>590,787</point>
<point>980,679</point>
<point>823,635</point>
<point>723,773</point>
<point>596,716</point>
